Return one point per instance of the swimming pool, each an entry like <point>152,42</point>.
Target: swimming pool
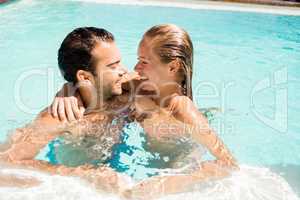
<point>246,64</point>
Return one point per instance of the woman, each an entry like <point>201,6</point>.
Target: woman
<point>172,124</point>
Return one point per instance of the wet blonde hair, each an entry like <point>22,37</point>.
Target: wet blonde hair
<point>172,43</point>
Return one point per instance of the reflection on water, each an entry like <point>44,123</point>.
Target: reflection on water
<point>291,173</point>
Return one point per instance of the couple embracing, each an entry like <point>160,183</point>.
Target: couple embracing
<point>102,93</point>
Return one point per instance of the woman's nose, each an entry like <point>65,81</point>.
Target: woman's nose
<point>138,67</point>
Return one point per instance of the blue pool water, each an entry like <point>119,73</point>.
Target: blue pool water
<point>246,64</point>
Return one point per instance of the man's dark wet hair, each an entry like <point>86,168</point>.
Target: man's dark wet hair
<point>75,52</point>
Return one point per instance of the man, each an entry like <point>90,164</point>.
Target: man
<point>88,58</point>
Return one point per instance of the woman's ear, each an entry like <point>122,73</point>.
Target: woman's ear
<point>174,67</point>
<point>84,76</point>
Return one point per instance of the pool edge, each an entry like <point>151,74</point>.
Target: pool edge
<point>208,5</point>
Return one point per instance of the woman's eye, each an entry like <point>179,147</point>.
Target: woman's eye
<point>142,62</point>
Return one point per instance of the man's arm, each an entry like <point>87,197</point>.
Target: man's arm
<point>24,143</point>
<point>103,178</point>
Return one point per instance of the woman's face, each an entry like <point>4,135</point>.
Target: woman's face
<point>150,67</point>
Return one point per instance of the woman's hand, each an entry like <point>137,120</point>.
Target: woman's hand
<point>67,104</point>
<point>158,186</point>
<point>148,189</point>
<point>103,178</point>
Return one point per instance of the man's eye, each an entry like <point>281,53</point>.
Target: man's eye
<point>144,63</point>
<point>114,66</point>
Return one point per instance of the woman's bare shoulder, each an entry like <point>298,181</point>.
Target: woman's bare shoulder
<point>184,109</point>
<point>180,103</point>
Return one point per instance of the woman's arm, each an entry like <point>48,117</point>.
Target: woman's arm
<point>68,105</point>
<point>184,110</point>
<point>159,186</point>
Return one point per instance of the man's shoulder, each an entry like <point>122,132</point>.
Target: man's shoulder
<point>96,117</point>
<point>45,116</point>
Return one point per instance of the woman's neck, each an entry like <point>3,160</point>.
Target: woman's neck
<point>166,93</point>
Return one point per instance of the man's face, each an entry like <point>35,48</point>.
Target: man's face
<point>108,69</point>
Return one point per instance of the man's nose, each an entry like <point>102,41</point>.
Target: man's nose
<point>123,70</point>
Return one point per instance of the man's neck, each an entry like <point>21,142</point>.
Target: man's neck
<point>93,102</point>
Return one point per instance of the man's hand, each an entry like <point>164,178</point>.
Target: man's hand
<point>131,80</point>
<point>131,76</point>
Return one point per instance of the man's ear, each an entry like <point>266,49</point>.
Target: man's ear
<point>84,76</point>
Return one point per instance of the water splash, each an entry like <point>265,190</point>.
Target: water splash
<point>250,183</point>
